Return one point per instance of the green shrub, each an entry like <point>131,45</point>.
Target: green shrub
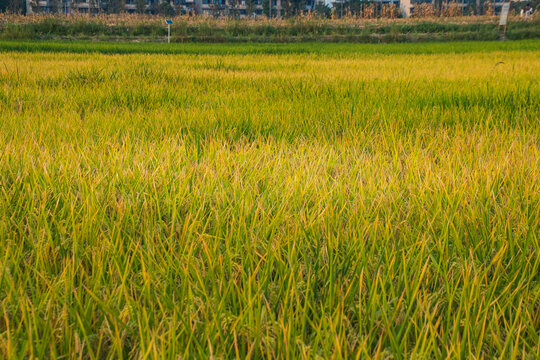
<point>17,32</point>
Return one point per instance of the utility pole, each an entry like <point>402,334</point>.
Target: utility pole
<point>270,9</point>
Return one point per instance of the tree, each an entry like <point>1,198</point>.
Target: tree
<point>140,5</point>
<point>250,7</point>
<point>355,6</point>
<point>323,10</point>
<point>165,8</point>
<point>293,7</point>
<point>266,8</point>
<point>13,6</point>
<point>94,6</point>
<point>115,6</point>
<point>55,6</point>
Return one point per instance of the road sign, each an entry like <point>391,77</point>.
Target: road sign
<point>504,14</point>
<point>169,23</point>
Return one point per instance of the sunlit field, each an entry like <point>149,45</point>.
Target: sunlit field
<point>347,201</point>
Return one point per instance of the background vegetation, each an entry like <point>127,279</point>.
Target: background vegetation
<point>290,8</point>
<point>256,201</point>
<point>300,29</point>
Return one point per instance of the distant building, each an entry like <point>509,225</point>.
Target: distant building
<point>338,4</point>
<point>208,7</point>
<point>407,7</point>
<point>236,8</point>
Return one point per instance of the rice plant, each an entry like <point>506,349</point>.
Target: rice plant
<point>338,203</point>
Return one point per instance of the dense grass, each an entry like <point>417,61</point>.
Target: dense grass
<point>269,49</point>
<point>346,201</point>
<point>292,30</point>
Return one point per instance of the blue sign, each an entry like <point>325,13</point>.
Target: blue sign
<point>168,22</point>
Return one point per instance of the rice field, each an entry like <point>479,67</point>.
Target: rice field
<point>353,201</point>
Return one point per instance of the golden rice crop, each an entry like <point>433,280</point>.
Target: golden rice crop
<point>314,205</point>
